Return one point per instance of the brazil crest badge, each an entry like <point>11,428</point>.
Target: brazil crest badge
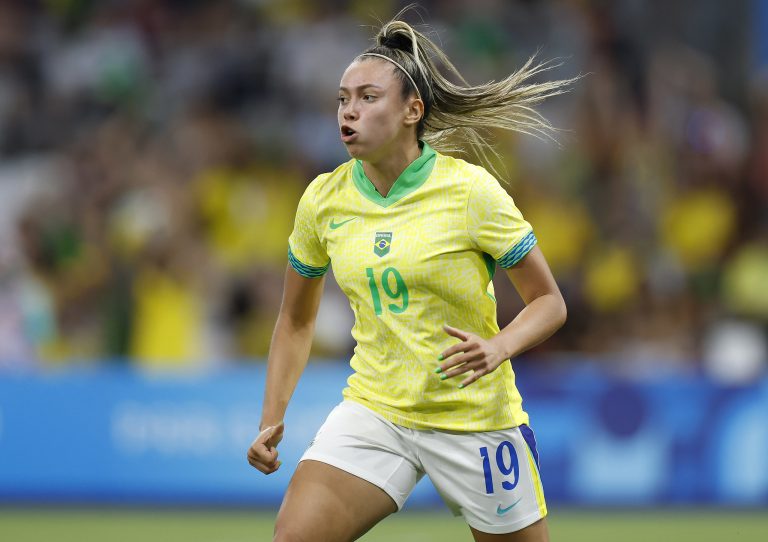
<point>382,243</point>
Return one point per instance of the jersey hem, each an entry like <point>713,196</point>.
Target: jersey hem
<point>419,425</point>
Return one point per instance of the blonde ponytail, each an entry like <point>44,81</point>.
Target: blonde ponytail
<point>457,115</point>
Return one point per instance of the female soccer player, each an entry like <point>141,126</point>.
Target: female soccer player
<point>414,237</point>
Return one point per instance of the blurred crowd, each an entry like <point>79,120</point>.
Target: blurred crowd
<point>152,153</point>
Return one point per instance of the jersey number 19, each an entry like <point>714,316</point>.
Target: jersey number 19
<point>399,293</point>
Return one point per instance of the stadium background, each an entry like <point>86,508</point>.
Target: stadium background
<point>152,153</point>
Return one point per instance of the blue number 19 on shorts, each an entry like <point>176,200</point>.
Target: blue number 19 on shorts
<point>513,468</point>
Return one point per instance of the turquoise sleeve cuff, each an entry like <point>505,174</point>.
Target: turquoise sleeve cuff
<point>306,270</point>
<point>518,252</point>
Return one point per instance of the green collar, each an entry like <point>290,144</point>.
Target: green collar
<point>409,180</point>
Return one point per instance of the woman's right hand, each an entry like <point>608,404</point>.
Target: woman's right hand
<point>263,451</point>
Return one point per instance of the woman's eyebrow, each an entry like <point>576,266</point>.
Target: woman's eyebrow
<point>367,85</point>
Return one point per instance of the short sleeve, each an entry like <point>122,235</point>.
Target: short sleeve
<point>306,253</point>
<point>495,224</point>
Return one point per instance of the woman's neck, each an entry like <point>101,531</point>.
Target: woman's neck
<point>384,172</point>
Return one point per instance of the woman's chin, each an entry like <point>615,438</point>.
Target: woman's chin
<point>355,150</point>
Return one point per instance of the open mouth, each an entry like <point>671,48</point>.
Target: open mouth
<point>347,134</point>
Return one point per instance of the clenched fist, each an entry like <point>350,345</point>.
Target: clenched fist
<point>263,451</point>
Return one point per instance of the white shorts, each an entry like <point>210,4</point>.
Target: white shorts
<point>491,478</point>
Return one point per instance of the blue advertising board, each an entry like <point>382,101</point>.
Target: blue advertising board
<point>120,435</point>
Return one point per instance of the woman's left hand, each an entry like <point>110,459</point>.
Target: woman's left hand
<point>473,353</point>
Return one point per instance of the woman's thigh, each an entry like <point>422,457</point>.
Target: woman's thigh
<point>324,503</point>
<point>538,532</point>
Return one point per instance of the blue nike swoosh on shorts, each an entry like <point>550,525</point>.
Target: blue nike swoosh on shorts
<point>501,511</point>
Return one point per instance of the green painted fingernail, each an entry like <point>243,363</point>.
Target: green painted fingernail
<point>439,370</point>
<point>443,376</point>
<point>440,357</point>
<point>461,386</point>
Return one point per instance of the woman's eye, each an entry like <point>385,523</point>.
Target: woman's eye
<point>369,98</point>
<point>341,99</point>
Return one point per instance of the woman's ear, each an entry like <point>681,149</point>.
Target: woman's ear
<point>415,111</point>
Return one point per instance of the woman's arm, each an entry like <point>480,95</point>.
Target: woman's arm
<point>288,355</point>
<point>544,313</point>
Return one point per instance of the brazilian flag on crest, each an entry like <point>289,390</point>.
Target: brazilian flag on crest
<point>382,243</point>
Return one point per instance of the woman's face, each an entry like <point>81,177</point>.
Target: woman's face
<point>373,117</point>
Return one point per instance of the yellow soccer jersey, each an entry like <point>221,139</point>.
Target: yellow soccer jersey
<point>410,262</point>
